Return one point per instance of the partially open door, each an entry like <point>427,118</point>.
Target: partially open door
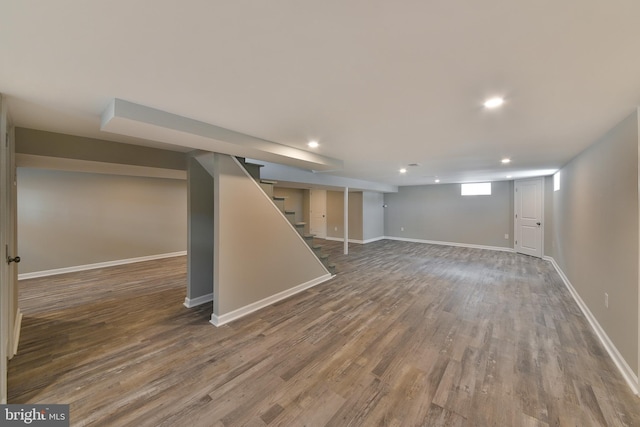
<point>9,313</point>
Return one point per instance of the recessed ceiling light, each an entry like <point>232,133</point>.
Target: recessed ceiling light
<point>508,176</point>
<point>403,170</point>
<point>505,161</point>
<point>437,181</point>
<point>313,144</point>
<point>493,102</point>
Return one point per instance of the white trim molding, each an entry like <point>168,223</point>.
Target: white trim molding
<point>361,242</point>
<point>16,334</point>
<point>190,303</point>
<point>461,245</point>
<point>630,377</point>
<point>255,306</point>
<point>85,267</point>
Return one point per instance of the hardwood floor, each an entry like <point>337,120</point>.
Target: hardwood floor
<point>406,335</point>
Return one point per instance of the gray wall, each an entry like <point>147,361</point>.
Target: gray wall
<point>440,213</point>
<point>50,144</point>
<point>372,215</point>
<point>68,219</point>
<point>595,236</point>
<point>200,231</point>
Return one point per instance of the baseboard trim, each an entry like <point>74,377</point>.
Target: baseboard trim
<point>250,308</point>
<point>461,245</point>
<point>16,334</point>
<point>85,267</point>
<point>340,239</point>
<point>627,373</point>
<point>361,242</point>
<point>190,303</point>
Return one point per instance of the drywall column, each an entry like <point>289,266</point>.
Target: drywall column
<point>200,243</point>
<point>346,220</point>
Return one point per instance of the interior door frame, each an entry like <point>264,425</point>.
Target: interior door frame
<point>516,234</point>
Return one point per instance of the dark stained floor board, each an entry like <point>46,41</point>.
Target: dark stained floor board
<point>406,334</point>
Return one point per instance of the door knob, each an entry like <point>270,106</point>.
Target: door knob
<point>538,224</point>
<point>13,259</point>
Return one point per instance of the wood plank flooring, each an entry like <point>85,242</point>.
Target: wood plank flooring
<point>407,334</point>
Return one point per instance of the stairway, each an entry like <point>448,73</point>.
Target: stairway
<point>267,186</point>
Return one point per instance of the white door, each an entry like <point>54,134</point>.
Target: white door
<point>528,212</point>
<point>318,213</point>
<point>8,270</point>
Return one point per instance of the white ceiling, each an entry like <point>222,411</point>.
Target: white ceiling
<point>380,84</point>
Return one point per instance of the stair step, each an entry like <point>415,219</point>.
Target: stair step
<point>279,198</point>
<point>266,181</point>
<point>316,247</point>
<point>289,212</point>
<point>323,257</point>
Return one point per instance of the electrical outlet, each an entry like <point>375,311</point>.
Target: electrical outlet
<point>606,300</point>
<point>506,237</point>
<point>401,228</point>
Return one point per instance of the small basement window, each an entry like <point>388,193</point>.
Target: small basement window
<point>476,189</point>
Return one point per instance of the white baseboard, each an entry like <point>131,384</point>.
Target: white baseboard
<point>190,303</point>
<point>16,334</point>
<point>340,239</point>
<point>461,245</point>
<point>85,267</point>
<point>362,242</point>
<point>247,309</point>
<point>630,377</point>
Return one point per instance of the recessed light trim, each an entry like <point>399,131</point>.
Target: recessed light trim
<point>437,181</point>
<point>403,170</point>
<point>313,144</point>
<point>494,102</point>
<point>505,161</point>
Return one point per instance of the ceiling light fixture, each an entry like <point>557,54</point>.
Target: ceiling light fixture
<point>508,176</point>
<point>313,144</point>
<point>505,161</point>
<point>403,170</point>
<point>437,181</point>
<point>493,102</point>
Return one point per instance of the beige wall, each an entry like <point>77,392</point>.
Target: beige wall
<point>258,253</point>
<point>294,201</point>
<point>68,219</point>
<point>335,215</point>
<point>594,236</point>
<point>440,213</point>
